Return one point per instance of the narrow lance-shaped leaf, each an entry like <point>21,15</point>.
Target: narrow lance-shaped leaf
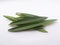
<point>42,30</point>
<point>10,18</point>
<point>23,15</point>
<point>13,19</point>
<point>48,22</point>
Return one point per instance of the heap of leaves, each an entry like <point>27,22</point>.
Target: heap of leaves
<point>26,21</point>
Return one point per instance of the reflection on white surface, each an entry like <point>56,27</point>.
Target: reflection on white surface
<point>47,8</point>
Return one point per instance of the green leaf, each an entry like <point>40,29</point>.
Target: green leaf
<point>10,18</point>
<point>24,15</point>
<point>13,19</point>
<point>42,30</point>
<point>48,22</point>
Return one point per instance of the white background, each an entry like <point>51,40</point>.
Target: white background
<point>49,8</point>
